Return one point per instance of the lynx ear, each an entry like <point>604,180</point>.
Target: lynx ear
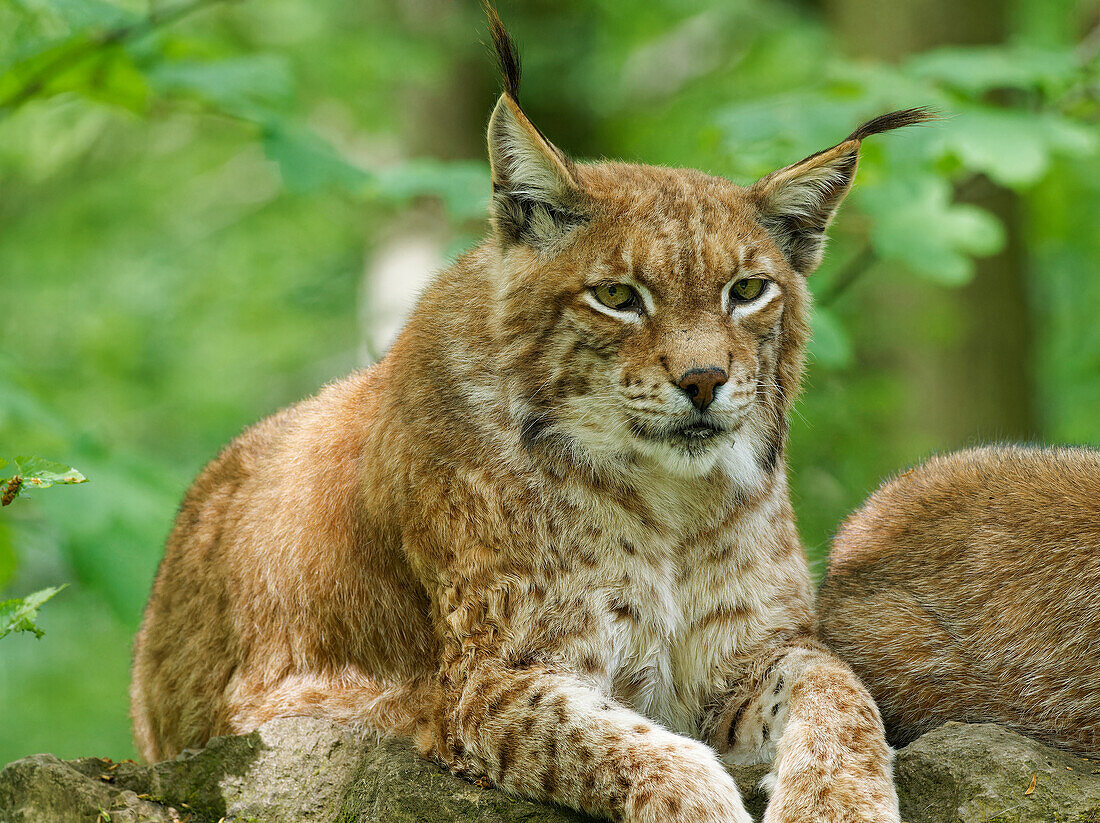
<point>536,197</point>
<point>797,203</point>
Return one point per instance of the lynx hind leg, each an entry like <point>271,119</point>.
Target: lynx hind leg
<point>553,738</point>
<point>364,705</point>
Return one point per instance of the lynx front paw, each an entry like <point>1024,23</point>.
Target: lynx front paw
<point>818,778</point>
<point>690,787</point>
<point>860,811</point>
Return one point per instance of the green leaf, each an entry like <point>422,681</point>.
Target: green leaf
<point>1009,146</point>
<point>1069,137</point>
<point>236,85</point>
<point>111,77</point>
<point>18,614</point>
<point>83,14</point>
<point>1012,147</point>
<point>976,70</point>
<point>883,87</point>
<point>79,66</point>
<point>29,67</point>
<point>42,474</point>
<point>762,135</point>
<point>830,345</point>
<point>308,164</point>
<point>916,223</point>
<point>463,186</point>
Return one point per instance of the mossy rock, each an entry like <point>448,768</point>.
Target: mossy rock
<point>302,770</point>
<point>981,773</point>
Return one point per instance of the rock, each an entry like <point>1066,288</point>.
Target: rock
<point>303,770</point>
<point>293,770</point>
<point>981,773</point>
<point>43,788</point>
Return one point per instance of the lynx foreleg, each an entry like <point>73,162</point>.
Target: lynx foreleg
<point>812,718</point>
<point>551,737</point>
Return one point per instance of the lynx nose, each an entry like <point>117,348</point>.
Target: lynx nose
<point>699,385</point>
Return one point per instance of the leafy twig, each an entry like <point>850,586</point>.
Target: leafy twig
<point>866,257</point>
<point>18,615</point>
<point>36,473</point>
<point>66,60</point>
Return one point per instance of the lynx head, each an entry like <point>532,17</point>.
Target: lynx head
<point>653,316</point>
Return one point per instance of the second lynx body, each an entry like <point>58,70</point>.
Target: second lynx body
<point>969,589</point>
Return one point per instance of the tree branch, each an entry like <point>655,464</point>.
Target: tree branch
<point>1089,47</point>
<point>852,271</point>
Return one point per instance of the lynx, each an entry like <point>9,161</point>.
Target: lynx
<point>968,589</point>
<point>548,536</point>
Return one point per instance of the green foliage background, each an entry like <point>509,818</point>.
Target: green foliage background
<point>189,195</point>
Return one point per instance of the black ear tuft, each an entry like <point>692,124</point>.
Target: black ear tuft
<point>507,55</point>
<point>537,199</point>
<point>894,120</point>
<point>798,202</point>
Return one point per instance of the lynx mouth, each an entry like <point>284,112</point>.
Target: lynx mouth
<point>693,436</point>
<point>698,432</point>
<point>695,433</point>
<point>697,436</point>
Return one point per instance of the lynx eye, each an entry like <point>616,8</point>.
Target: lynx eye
<point>748,289</point>
<point>617,296</point>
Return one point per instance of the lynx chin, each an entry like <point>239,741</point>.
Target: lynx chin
<point>549,536</point>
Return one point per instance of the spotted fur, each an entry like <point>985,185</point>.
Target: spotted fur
<point>968,588</point>
<point>521,539</point>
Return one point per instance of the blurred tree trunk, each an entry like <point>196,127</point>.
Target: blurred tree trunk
<point>968,375</point>
<point>444,121</point>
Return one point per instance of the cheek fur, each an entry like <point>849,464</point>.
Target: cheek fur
<point>579,362</point>
<point>641,385</point>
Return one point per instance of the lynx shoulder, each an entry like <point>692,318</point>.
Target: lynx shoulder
<point>968,589</point>
<point>549,536</point>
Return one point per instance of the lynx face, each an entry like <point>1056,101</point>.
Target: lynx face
<point>671,315</point>
<point>646,315</point>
